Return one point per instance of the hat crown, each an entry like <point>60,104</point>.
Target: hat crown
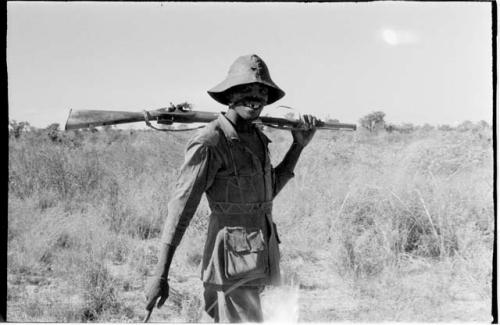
<point>251,65</point>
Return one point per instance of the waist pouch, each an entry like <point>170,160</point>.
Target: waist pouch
<point>245,253</point>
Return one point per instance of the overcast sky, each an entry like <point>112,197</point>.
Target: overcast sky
<point>419,62</point>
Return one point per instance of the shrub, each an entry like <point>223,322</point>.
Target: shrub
<point>18,128</point>
<point>99,290</point>
<point>53,132</point>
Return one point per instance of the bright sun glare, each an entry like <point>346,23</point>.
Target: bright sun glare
<point>390,36</point>
<point>399,37</point>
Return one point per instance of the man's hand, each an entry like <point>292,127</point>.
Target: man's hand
<point>157,288</point>
<point>303,137</point>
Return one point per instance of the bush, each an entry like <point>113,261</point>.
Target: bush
<point>18,128</point>
<point>99,290</point>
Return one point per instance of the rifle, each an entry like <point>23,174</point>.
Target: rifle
<point>180,113</point>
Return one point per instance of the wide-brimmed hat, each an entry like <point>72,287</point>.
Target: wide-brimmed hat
<point>246,69</point>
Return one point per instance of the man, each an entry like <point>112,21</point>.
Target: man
<point>229,162</point>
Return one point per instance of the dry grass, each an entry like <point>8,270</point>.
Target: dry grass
<point>387,227</point>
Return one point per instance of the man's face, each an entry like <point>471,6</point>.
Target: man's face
<point>248,100</point>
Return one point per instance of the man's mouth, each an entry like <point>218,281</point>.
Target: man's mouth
<point>253,103</point>
<point>254,106</point>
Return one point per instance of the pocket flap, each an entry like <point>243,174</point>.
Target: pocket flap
<point>239,239</point>
<point>236,239</point>
<point>256,241</point>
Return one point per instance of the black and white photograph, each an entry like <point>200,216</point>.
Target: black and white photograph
<point>249,162</point>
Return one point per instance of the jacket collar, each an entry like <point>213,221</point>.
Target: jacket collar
<point>229,131</point>
<point>263,135</point>
<point>227,128</point>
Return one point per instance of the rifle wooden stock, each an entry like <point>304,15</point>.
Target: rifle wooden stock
<point>88,118</point>
<point>79,119</point>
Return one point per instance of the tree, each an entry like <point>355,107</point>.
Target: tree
<point>465,126</point>
<point>17,128</point>
<point>406,128</point>
<point>373,121</point>
<point>445,127</point>
<point>427,127</point>
<point>389,127</point>
<point>483,124</point>
<point>53,132</point>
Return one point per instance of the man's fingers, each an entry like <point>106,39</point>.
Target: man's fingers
<point>310,121</point>
<point>307,119</point>
<point>314,121</point>
<point>162,301</point>
<point>151,304</point>
<point>303,122</point>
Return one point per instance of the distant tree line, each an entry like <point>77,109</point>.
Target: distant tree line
<point>375,122</point>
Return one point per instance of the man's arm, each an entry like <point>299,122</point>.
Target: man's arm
<point>284,171</point>
<point>301,138</point>
<point>196,175</point>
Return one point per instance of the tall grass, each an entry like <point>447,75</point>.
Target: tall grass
<point>86,212</point>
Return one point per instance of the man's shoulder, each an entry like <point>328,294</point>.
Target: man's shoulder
<point>210,135</point>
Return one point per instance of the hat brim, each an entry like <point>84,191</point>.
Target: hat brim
<point>220,92</point>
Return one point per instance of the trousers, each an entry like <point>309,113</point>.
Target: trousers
<point>240,305</point>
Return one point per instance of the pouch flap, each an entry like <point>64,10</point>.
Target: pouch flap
<point>256,241</point>
<point>239,239</point>
<point>236,239</point>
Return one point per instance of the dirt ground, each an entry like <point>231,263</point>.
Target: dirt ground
<point>319,294</point>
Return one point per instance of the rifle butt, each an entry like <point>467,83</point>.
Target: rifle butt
<point>79,119</point>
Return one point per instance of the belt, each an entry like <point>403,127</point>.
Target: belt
<point>240,208</point>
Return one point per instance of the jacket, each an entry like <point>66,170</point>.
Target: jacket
<point>242,240</point>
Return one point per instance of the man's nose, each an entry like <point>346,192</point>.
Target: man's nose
<point>255,91</point>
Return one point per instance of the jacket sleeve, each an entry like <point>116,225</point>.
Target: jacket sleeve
<point>196,176</point>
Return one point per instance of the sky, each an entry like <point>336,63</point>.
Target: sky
<point>418,62</point>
